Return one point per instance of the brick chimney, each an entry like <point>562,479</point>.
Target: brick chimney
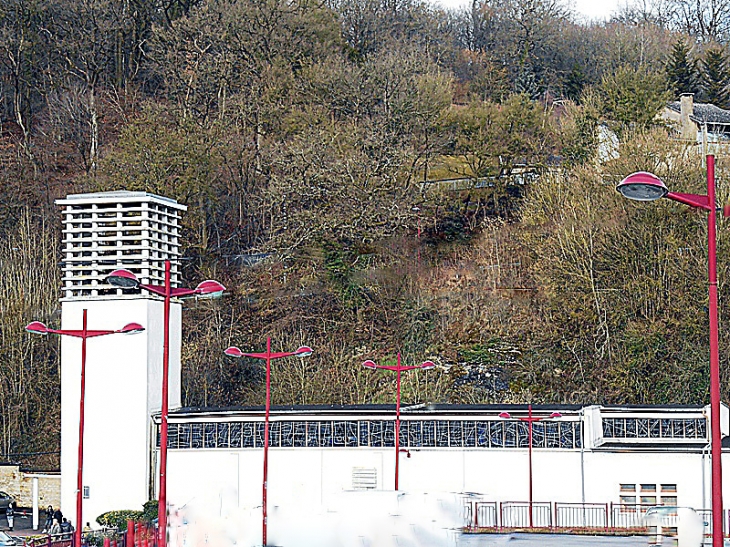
<point>686,109</point>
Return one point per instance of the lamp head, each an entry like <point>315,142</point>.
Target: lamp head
<point>209,289</point>
<point>505,415</point>
<point>131,328</point>
<point>36,327</point>
<point>303,351</point>
<point>427,365</point>
<point>124,279</point>
<point>370,364</point>
<point>556,415</point>
<point>233,351</point>
<point>642,186</point>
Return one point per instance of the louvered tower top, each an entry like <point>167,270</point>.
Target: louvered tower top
<point>106,231</point>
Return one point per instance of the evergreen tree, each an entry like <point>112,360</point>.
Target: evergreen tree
<point>716,78</point>
<point>682,72</point>
<point>574,83</point>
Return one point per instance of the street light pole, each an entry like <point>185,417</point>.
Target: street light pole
<point>36,327</point>
<point>530,420</point>
<point>125,279</point>
<point>398,368</point>
<point>643,186</point>
<point>302,351</point>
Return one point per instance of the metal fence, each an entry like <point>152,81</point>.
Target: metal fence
<point>585,516</point>
<point>136,535</point>
<point>516,514</point>
<point>566,517</point>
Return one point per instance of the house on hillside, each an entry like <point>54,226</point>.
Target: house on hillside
<point>693,120</point>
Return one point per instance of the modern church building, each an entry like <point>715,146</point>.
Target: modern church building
<point>619,456</point>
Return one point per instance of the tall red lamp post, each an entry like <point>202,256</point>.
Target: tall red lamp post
<point>36,327</point>
<point>268,356</point>
<point>125,279</point>
<point>643,186</point>
<point>398,368</point>
<point>530,419</point>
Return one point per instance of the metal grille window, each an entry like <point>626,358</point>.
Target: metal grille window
<point>375,434</point>
<point>655,428</point>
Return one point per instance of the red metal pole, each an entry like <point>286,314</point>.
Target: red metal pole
<point>266,438</point>
<point>397,420</point>
<point>80,472</point>
<point>162,502</point>
<point>130,534</point>
<point>717,520</point>
<point>529,460</point>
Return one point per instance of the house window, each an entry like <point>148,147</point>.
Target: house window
<point>648,487</point>
<point>669,500</point>
<point>669,495</point>
<point>627,497</point>
<point>648,500</point>
<point>628,500</point>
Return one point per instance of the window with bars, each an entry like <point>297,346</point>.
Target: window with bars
<point>654,428</point>
<point>375,433</point>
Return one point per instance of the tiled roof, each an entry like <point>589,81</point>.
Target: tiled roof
<point>705,113</point>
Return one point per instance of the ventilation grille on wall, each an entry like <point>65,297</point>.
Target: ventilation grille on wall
<point>106,231</point>
<point>364,478</point>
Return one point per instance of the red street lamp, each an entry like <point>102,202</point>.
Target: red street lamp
<point>530,419</point>
<point>302,351</point>
<point>643,186</point>
<point>36,327</point>
<point>398,368</point>
<point>208,289</point>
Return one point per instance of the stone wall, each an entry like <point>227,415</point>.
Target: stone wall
<point>18,484</point>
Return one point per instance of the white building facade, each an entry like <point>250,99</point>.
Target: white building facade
<point>103,232</point>
<point>592,454</point>
<point>589,454</point>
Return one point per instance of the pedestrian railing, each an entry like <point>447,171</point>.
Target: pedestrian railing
<point>516,514</point>
<point>137,535</point>
<point>582,516</point>
<point>567,517</point>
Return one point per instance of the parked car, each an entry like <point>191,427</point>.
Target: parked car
<point>5,499</point>
<point>7,541</point>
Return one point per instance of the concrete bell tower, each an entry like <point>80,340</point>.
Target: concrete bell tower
<point>104,232</point>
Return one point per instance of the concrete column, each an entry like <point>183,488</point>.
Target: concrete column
<point>35,503</point>
<point>686,111</point>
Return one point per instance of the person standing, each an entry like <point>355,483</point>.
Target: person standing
<point>49,519</point>
<point>10,515</point>
<point>66,529</point>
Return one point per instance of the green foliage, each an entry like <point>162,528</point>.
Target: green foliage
<point>682,70</point>
<point>621,285</point>
<point>575,82</point>
<point>715,77</point>
<point>492,137</point>
<point>309,133</point>
<point>118,519</point>
<point>150,511</point>
<point>579,131</point>
<point>633,97</point>
<point>340,266</point>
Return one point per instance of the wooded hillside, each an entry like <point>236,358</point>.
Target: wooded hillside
<point>306,137</point>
